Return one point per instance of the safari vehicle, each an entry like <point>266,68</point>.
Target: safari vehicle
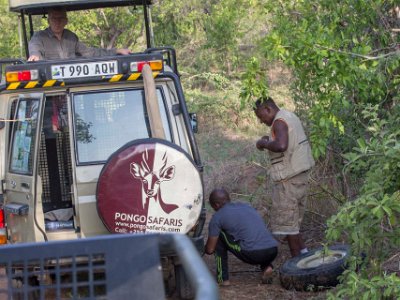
<point>97,146</point>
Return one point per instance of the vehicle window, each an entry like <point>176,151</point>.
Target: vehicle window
<point>24,135</point>
<point>106,120</point>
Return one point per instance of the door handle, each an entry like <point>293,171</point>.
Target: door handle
<point>25,185</point>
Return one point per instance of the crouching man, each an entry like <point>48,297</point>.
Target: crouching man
<point>238,228</point>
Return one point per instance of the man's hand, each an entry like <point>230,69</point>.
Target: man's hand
<point>33,58</point>
<point>211,244</point>
<point>261,143</point>
<point>123,51</point>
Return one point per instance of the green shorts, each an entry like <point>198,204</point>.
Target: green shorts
<point>288,204</point>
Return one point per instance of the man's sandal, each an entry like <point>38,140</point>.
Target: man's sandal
<point>225,283</point>
<point>266,277</point>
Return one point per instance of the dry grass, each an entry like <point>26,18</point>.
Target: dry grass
<point>231,159</point>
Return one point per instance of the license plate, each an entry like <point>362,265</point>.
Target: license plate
<point>90,69</point>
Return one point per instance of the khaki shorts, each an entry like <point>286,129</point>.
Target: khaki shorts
<point>288,204</point>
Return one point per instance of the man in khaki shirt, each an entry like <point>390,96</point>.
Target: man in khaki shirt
<point>56,42</point>
<point>291,162</point>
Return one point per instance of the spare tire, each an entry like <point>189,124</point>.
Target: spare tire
<point>313,270</point>
<point>149,185</point>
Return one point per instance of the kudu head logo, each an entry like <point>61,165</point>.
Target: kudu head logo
<point>151,181</point>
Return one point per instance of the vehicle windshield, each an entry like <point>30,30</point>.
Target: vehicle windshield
<point>106,120</point>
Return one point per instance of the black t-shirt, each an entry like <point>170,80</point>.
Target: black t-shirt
<point>243,222</point>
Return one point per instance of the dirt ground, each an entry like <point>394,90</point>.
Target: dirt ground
<point>246,279</point>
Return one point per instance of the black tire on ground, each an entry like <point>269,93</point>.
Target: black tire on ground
<point>312,270</point>
<point>183,288</point>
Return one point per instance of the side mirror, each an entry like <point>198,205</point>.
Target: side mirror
<point>193,122</point>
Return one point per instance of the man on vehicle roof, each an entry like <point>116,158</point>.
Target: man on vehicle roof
<point>56,42</point>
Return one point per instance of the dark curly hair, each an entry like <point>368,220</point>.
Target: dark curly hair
<point>263,102</point>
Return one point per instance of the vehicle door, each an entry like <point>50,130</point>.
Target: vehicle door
<point>23,215</point>
<point>3,118</point>
<point>103,121</point>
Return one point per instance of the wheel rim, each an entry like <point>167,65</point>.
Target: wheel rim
<point>319,258</point>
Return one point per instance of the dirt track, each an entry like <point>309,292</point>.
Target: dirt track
<point>246,283</point>
<point>246,279</point>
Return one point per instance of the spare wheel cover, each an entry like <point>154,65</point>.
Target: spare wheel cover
<point>149,185</point>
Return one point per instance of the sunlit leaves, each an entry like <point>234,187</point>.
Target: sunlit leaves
<point>332,58</point>
<point>254,84</point>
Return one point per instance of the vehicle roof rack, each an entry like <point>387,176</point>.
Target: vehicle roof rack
<point>54,73</point>
<point>41,7</point>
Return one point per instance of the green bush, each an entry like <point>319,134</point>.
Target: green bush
<point>371,223</point>
<point>345,66</point>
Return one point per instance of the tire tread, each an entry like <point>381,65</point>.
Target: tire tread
<point>323,276</point>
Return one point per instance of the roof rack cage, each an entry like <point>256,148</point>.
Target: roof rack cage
<point>105,267</point>
<point>28,8</point>
<point>36,7</point>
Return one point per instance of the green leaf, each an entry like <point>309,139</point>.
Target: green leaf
<point>363,67</point>
<point>361,143</point>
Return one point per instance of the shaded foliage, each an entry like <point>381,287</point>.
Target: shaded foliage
<point>344,58</point>
<point>10,44</point>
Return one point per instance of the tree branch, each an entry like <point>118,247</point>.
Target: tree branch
<point>114,37</point>
<point>316,183</point>
<point>366,57</point>
<point>104,17</point>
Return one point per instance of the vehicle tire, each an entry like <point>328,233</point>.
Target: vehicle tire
<point>183,288</point>
<point>313,270</point>
<point>168,276</point>
<point>149,185</point>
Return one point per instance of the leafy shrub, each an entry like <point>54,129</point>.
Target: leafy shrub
<point>344,60</point>
<point>371,223</point>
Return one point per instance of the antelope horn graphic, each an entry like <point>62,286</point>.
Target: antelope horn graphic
<point>145,157</point>
<point>164,159</point>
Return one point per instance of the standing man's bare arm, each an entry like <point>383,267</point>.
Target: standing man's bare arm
<point>280,142</point>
